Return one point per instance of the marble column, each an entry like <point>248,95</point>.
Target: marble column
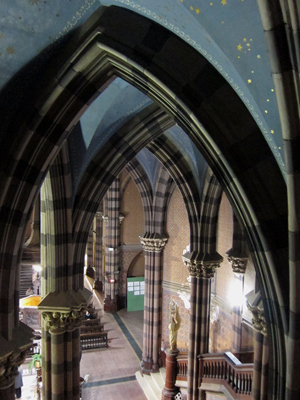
<point>62,315</point>
<point>153,247</point>
<point>261,348</point>
<point>201,269</point>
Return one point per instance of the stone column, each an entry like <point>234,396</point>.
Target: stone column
<point>89,249</point>
<point>239,268</point>
<point>98,250</point>
<point>153,246</point>
<point>62,315</point>
<point>201,269</point>
<point>261,349</point>
<point>13,354</point>
<point>112,247</point>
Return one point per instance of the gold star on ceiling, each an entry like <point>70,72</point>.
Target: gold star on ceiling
<point>10,50</point>
<point>197,10</point>
<point>239,47</point>
<point>249,81</point>
<point>272,132</point>
<point>224,2</point>
<point>258,56</point>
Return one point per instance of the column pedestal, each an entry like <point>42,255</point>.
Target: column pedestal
<point>170,390</point>
<point>110,305</point>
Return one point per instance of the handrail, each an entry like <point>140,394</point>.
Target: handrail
<point>228,370</point>
<point>220,368</point>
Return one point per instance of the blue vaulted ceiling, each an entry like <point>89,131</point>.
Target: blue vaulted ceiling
<point>228,33</point>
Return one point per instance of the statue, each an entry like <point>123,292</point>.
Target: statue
<point>174,324</point>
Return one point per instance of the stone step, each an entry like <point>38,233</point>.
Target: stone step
<point>158,380</point>
<point>144,385</point>
<point>152,384</point>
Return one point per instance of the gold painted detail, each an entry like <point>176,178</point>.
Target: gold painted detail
<point>238,264</point>
<point>60,322</point>
<point>222,71</point>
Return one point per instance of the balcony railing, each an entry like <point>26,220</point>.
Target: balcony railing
<point>221,369</point>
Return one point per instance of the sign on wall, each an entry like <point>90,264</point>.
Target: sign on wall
<point>135,293</point>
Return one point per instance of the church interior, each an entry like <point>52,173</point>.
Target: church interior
<point>149,167</point>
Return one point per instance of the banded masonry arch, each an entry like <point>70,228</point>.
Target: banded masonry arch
<point>199,100</point>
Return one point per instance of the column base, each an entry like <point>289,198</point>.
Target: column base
<point>110,305</point>
<point>170,390</point>
<point>98,285</point>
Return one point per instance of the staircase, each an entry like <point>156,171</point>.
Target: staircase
<point>25,279</point>
<point>152,384</point>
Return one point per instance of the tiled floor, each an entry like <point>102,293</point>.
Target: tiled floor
<point>110,373</point>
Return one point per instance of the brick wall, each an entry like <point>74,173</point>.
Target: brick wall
<point>178,231</point>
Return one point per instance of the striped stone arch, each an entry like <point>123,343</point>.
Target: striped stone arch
<point>108,163</point>
<point>173,160</point>
<point>211,200</point>
<point>142,182</point>
<point>200,100</point>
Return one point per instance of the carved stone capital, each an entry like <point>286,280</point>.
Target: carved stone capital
<point>105,218</point>
<point>13,353</point>
<point>200,265</point>
<point>258,319</point>
<point>121,218</point>
<point>238,264</point>
<point>255,306</point>
<point>64,311</point>
<point>99,214</point>
<point>153,244</point>
<point>59,322</point>
<point>206,270</point>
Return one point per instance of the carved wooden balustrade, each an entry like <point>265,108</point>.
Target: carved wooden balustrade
<point>221,369</point>
<point>182,366</point>
<point>227,370</point>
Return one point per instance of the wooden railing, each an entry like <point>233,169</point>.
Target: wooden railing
<point>227,370</point>
<point>221,369</point>
<point>182,366</point>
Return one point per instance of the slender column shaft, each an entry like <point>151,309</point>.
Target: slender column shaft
<point>258,352</point>
<point>76,363</point>
<point>98,246</point>
<point>90,260</point>
<point>264,370</point>
<point>153,247</point>
<point>112,246</point>
<point>46,363</point>
<point>157,299</point>
<point>192,338</point>
<point>237,312</point>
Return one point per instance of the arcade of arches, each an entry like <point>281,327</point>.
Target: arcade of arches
<point>125,146</point>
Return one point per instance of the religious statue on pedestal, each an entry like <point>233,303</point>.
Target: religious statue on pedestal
<point>174,324</point>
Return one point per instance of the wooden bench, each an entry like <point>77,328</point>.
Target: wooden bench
<point>92,328</point>
<point>93,340</point>
<point>89,322</point>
